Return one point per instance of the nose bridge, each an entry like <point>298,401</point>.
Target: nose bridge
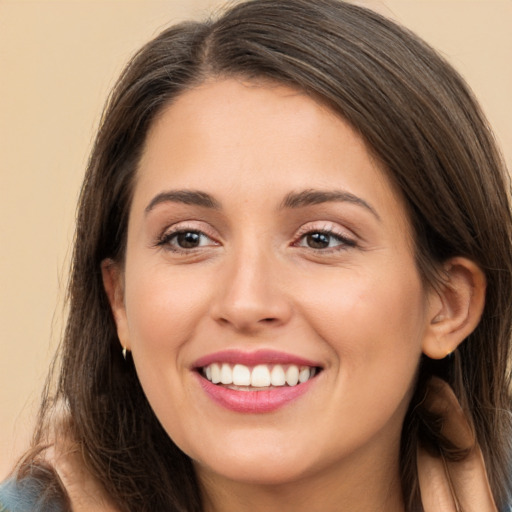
<point>251,294</point>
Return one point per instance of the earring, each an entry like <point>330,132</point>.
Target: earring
<point>124,353</point>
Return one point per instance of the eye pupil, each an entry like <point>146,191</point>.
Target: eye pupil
<point>318,240</point>
<point>188,239</point>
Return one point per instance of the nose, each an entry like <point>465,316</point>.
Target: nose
<point>252,294</point>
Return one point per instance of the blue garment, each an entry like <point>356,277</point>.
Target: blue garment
<point>26,495</point>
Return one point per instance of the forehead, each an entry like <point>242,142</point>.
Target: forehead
<point>234,137</point>
<point>235,114</point>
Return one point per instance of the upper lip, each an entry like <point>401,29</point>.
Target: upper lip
<point>253,358</point>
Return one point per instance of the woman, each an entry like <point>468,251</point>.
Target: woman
<point>291,280</point>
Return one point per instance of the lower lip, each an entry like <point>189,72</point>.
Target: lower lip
<point>253,401</point>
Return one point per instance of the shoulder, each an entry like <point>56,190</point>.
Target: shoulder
<point>85,491</point>
<point>32,493</point>
<point>57,484</point>
<point>54,478</point>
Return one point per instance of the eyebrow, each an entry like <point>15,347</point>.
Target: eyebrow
<point>292,200</point>
<point>312,197</point>
<point>193,197</point>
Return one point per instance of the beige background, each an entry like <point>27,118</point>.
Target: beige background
<point>58,60</point>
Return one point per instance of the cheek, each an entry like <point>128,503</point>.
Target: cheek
<point>374,328</point>
<point>374,322</point>
<point>164,312</point>
<point>163,309</point>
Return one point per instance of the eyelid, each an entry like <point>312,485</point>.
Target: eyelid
<point>325,227</point>
<point>346,237</point>
<point>183,226</point>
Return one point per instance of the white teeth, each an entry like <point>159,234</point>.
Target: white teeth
<point>226,374</point>
<point>260,376</point>
<point>292,375</point>
<point>241,375</point>
<point>277,376</point>
<point>215,373</point>
<point>303,375</point>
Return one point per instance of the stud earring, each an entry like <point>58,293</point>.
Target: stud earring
<point>124,353</point>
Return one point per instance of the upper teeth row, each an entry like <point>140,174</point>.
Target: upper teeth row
<point>259,376</point>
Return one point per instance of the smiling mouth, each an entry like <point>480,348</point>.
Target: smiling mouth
<point>261,377</point>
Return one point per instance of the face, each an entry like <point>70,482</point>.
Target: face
<point>269,294</point>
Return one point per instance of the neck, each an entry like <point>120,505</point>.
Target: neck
<point>348,487</point>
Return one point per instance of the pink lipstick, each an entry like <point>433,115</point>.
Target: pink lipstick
<point>254,358</point>
<point>255,382</point>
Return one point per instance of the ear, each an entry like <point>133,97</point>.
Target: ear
<point>455,307</point>
<point>113,282</point>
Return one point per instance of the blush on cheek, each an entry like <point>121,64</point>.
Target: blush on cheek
<point>163,313</point>
<point>384,324</point>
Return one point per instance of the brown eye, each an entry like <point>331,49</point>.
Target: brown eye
<point>185,240</point>
<point>188,239</point>
<point>318,240</point>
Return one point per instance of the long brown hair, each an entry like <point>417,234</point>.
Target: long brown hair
<point>419,119</point>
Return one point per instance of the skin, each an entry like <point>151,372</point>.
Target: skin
<point>358,307</point>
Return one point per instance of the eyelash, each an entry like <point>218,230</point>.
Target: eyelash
<point>344,242</point>
<point>165,240</point>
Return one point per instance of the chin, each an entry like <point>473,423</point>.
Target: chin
<point>255,471</point>
<point>259,459</point>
